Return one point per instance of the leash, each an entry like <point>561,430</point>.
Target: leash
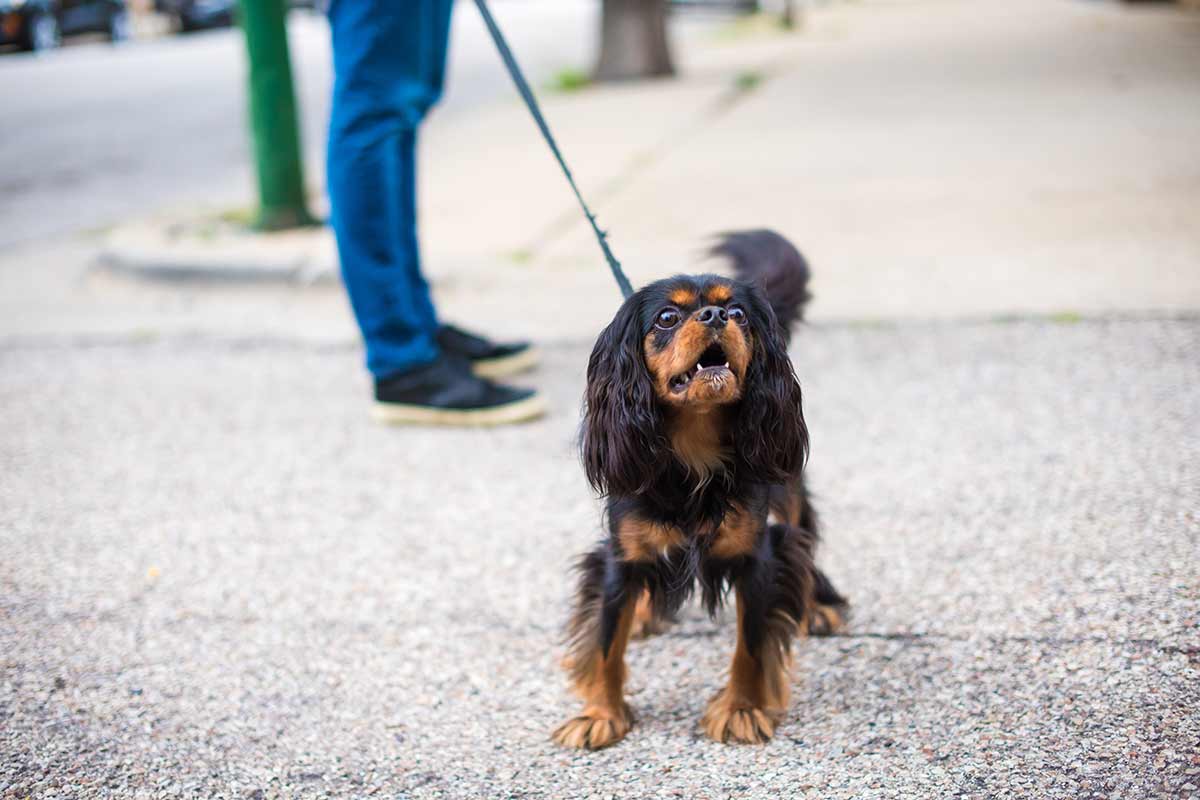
<point>531,103</point>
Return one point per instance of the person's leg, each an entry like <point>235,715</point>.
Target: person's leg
<point>406,204</point>
<point>389,63</point>
<point>433,48</point>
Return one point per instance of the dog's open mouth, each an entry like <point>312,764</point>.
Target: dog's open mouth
<point>713,362</point>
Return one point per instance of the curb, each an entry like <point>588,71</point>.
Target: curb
<point>213,252</point>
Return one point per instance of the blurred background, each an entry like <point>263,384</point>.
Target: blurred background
<point>1018,156</point>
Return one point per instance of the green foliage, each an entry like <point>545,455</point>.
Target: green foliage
<point>748,81</point>
<point>1066,317</point>
<point>242,217</point>
<point>570,79</point>
<point>752,25</point>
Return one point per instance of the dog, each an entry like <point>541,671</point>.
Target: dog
<point>693,430</point>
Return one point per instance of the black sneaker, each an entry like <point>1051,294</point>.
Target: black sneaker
<point>488,359</point>
<point>447,393</point>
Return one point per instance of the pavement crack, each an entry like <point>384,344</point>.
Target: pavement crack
<point>1052,641</point>
<point>886,635</point>
<point>725,101</point>
<point>200,340</point>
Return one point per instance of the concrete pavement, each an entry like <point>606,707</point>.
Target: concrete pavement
<point>220,580</point>
<point>941,159</point>
<point>936,159</point>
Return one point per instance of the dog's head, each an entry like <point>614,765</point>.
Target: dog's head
<point>683,348</point>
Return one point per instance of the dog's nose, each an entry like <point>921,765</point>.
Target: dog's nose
<point>713,316</point>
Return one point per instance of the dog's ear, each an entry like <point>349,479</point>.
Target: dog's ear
<point>622,426</point>
<point>770,436</point>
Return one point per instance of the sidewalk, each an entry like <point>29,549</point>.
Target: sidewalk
<point>969,183</point>
<point>221,580</point>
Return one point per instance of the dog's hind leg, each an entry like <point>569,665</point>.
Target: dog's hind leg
<point>829,608</point>
<point>599,631</point>
<point>646,621</point>
<point>791,504</point>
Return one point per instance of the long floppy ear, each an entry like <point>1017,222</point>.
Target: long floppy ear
<point>771,438</point>
<point>622,425</point>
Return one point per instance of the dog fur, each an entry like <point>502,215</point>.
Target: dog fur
<point>694,432</point>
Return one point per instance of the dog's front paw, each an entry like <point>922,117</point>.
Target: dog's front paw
<point>727,720</point>
<point>595,728</point>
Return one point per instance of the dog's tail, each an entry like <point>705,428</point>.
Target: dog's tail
<point>766,258</point>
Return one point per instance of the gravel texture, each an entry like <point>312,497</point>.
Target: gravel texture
<point>218,579</point>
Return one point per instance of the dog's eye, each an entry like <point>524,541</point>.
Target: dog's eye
<point>738,315</point>
<point>667,318</point>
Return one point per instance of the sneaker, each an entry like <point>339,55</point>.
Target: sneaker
<point>447,393</point>
<point>488,359</point>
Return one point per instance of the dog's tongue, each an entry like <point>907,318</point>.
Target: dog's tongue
<point>714,356</point>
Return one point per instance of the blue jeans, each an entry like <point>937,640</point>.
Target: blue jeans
<point>389,61</point>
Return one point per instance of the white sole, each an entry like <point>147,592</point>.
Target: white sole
<point>502,367</point>
<point>403,414</point>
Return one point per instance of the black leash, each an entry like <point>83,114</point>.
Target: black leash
<point>531,101</point>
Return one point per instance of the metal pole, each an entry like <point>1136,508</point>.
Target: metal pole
<point>282,202</point>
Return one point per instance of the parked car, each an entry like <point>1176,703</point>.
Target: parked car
<point>194,15</point>
<point>41,24</point>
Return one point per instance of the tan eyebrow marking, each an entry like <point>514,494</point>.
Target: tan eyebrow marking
<point>719,294</point>
<point>683,297</point>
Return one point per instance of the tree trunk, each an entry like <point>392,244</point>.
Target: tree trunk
<point>633,41</point>
<point>789,14</point>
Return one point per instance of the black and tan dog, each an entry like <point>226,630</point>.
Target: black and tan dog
<point>694,431</point>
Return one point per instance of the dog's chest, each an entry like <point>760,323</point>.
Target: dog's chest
<point>698,442</point>
<point>646,541</point>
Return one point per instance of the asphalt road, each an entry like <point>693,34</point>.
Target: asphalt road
<point>219,579</point>
<point>94,134</point>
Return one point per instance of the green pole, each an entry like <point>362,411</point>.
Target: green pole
<point>273,117</point>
